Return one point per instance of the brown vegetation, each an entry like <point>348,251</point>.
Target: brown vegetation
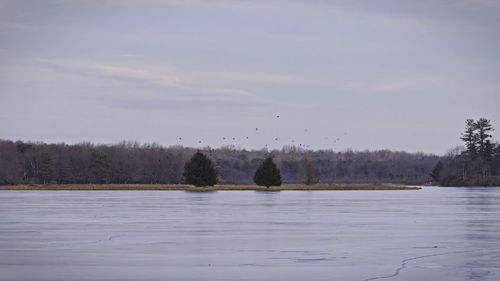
<point>208,188</point>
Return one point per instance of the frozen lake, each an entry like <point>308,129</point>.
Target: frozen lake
<point>430,234</point>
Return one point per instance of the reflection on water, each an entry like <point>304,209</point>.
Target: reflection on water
<point>431,234</point>
<point>483,222</point>
<point>483,227</point>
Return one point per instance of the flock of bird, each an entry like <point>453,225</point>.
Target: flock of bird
<point>276,139</point>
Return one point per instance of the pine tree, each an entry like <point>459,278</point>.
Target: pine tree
<point>45,168</point>
<point>477,166</point>
<point>483,127</point>
<point>436,171</point>
<point>200,171</point>
<point>267,174</point>
<point>470,137</point>
<point>488,152</point>
<point>100,166</point>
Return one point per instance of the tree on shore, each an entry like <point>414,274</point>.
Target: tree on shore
<point>45,168</point>
<point>268,174</point>
<point>100,167</point>
<point>436,172</point>
<point>310,171</point>
<point>28,163</point>
<point>469,137</point>
<point>200,171</point>
<point>483,127</point>
<point>476,166</point>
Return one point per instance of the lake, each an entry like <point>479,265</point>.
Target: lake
<point>428,234</point>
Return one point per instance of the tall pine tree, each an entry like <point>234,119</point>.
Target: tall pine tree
<point>470,137</point>
<point>100,166</point>
<point>484,128</point>
<point>436,172</point>
<point>45,168</point>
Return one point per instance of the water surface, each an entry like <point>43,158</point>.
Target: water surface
<point>429,234</point>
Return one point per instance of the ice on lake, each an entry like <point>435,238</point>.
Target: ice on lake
<point>429,234</point>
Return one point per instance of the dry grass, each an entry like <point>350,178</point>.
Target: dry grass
<point>208,188</point>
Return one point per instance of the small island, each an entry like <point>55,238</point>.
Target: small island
<point>200,174</point>
<point>172,187</point>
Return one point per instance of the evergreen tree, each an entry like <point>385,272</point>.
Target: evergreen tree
<point>485,148</point>
<point>45,168</point>
<point>496,159</point>
<point>477,166</point>
<point>200,171</point>
<point>436,171</point>
<point>100,166</point>
<point>470,137</point>
<point>22,147</point>
<point>267,174</point>
<point>488,151</point>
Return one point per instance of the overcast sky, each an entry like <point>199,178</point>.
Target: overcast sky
<point>395,74</point>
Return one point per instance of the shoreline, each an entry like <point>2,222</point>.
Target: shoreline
<point>180,187</point>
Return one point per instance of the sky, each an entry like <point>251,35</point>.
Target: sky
<point>386,74</point>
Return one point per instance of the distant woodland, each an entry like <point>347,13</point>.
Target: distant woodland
<point>131,162</point>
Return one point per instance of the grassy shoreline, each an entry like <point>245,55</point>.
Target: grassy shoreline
<point>172,187</point>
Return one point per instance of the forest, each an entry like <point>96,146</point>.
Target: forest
<point>131,162</point>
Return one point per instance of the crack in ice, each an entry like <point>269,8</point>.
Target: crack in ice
<point>405,261</point>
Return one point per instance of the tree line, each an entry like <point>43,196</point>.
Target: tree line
<point>131,162</point>
<point>477,164</point>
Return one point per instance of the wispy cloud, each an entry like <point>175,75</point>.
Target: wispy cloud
<point>129,56</point>
<point>224,4</point>
<point>177,85</point>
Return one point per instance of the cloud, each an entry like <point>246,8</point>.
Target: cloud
<point>133,74</point>
<point>461,12</point>
<point>175,85</point>
<point>217,4</point>
<point>129,56</point>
